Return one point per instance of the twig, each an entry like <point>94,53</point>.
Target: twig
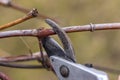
<point>21,58</point>
<point>6,61</point>
<point>14,33</point>
<point>20,8</point>
<point>47,32</point>
<point>24,10</point>
<point>23,66</point>
<point>41,52</point>
<point>30,15</point>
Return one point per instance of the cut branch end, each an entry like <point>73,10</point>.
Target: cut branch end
<point>33,12</point>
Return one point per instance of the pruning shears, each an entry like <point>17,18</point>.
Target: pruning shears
<point>63,60</point>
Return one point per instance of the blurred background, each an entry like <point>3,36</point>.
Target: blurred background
<point>100,47</point>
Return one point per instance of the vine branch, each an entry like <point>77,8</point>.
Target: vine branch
<point>23,66</point>
<point>28,57</point>
<point>70,29</point>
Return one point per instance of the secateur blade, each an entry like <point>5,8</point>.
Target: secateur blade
<point>53,48</point>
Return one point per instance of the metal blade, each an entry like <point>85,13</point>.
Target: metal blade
<point>69,51</point>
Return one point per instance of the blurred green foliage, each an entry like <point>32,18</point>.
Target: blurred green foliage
<point>100,48</point>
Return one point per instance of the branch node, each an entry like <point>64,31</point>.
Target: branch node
<point>33,12</point>
<point>92,26</point>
